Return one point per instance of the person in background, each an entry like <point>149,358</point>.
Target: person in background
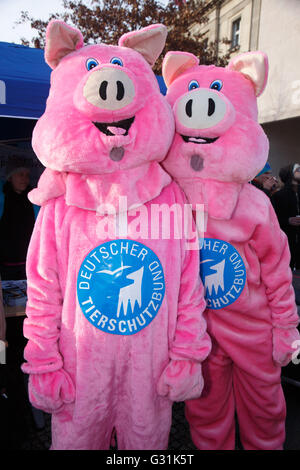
<point>17,221</point>
<point>2,318</point>
<point>17,218</point>
<point>3,344</point>
<point>265,181</point>
<point>3,392</point>
<point>286,203</point>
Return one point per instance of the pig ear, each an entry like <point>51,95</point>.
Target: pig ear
<point>175,63</point>
<point>61,39</point>
<point>254,65</point>
<point>148,41</point>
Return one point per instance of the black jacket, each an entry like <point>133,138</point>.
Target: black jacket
<point>16,225</point>
<point>286,203</point>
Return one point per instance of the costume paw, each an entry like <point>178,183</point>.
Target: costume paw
<point>181,380</point>
<point>286,343</point>
<point>51,390</point>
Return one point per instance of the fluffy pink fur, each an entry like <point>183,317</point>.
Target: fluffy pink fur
<point>115,377</point>
<point>241,151</point>
<point>69,115</point>
<point>253,336</point>
<point>96,383</point>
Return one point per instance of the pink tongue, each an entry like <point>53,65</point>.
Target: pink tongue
<point>116,130</point>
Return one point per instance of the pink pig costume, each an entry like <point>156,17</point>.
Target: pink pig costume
<point>115,325</point>
<point>218,148</point>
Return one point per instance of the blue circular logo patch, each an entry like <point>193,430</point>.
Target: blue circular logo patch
<point>120,286</point>
<point>222,271</point>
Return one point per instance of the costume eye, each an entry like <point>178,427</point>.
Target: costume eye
<point>216,85</point>
<point>116,61</point>
<point>91,63</point>
<point>193,85</point>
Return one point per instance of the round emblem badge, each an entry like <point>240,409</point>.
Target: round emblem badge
<point>222,271</point>
<point>120,286</point>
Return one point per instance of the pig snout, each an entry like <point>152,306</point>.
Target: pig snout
<point>204,109</point>
<point>109,88</point>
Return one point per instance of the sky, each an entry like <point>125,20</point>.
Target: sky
<point>10,12</point>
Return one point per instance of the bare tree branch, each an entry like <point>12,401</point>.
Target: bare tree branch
<point>106,20</point>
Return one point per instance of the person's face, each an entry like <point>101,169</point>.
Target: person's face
<point>264,177</point>
<point>20,180</point>
<point>297,174</point>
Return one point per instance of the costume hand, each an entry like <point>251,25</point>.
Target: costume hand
<point>285,345</point>
<point>51,390</point>
<point>181,380</point>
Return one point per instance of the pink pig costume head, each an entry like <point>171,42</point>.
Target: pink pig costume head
<point>104,112</point>
<point>217,138</point>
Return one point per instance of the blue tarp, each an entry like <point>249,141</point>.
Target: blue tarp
<point>24,81</point>
<point>162,85</point>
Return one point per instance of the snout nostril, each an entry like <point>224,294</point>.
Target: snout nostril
<point>211,106</point>
<point>188,108</point>
<point>103,89</point>
<point>120,91</point>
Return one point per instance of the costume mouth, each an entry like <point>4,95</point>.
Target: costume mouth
<point>115,128</point>
<point>199,140</point>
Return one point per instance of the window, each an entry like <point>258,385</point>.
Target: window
<point>235,38</point>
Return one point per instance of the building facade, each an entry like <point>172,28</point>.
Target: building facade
<point>272,26</point>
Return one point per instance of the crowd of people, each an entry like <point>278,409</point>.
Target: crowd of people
<point>286,203</point>
<point>17,218</point>
<point>284,194</point>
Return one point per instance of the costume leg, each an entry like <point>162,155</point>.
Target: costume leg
<point>261,409</point>
<point>144,426</point>
<point>211,417</point>
<point>89,434</point>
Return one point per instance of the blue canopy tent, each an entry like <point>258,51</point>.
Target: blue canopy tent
<point>24,87</point>
<point>24,81</point>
